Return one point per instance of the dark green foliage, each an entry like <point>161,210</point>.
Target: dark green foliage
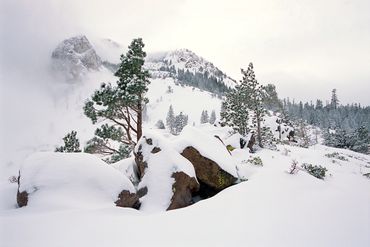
<point>121,105</point>
<point>358,140</point>
<point>181,121</point>
<point>71,144</point>
<point>234,111</point>
<point>204,118</point>
<point>270,98</point>
<point>316,171</point>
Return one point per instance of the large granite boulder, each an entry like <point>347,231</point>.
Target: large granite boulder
<point>168,180</point>
<point>213,164</point>
<point>75,56</point>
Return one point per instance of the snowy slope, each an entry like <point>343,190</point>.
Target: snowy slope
<point>272,208</point>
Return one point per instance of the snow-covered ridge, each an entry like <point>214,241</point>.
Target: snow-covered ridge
<point>163,64</point>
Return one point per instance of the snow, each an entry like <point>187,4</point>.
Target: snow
<point>208,146</point>
<point>70,180</point>
<point>272,208</point>
<point>158,175</point>
<point>74,204</point>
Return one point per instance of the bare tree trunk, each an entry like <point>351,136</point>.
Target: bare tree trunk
<point>139,122</point>
<point>259,136</point>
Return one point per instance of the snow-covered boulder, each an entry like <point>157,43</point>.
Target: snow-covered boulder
<point>75,56</point>
<point>214,166</point>
<point>49,179</point>
<point>167,179</point>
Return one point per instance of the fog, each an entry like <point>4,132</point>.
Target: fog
<point>306,48</point>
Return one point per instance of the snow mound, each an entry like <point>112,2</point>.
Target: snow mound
<point>71,180</point>
<point>209,146</point>
<point>128,168</point>
<point>161,164</point>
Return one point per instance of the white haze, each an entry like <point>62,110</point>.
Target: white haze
<point>305,47</point>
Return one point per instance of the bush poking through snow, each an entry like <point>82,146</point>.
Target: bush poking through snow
<point>367,175</point>
<point>71,144</point>
<point>336,155</point>
<point>316,171</point>
<point>160,125</point>
<point>294,167</point>
<point>257,161</point>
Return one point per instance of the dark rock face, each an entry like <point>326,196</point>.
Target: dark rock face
<point>209,173</point>
<point>251,143</point>
<point>22,197</point>
<point>183,188</point>
<point>140,163</point>
<point>128,200</point>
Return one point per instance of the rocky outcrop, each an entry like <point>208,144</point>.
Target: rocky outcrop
<point>183,190</point>
<point>164,175</point>
<point>75,56</point>
<point>212,177</point>
<point>128,200</point>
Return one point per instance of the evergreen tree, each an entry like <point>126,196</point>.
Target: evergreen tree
<point>234,111</point>
<point>71,144</point>
<point>204,117</point>
<point>212,119</point>
<point>170,120</point>
<point>254,92</point>
<point>334,99</point>
<point>120,105</point>
<point>181,121</point>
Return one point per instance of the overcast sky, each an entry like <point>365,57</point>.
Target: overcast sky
<point>305,48</point>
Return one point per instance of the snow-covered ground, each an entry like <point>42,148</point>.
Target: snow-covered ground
<point>272,208</point>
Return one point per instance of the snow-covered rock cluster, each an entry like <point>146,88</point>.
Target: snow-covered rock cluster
<point>75,57</point>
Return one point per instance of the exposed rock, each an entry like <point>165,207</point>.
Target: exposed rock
<point>183,188</point>
<point>22,197</point>
<point>140,163</point>
<point>207,171</point>
<point>75,56</point>
<point>168,180</point>
<point>127,199</point>
<point>251,143</point>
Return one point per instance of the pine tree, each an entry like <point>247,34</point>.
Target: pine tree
<point>254,95</point>
<point>234,111</point>
<point>334,99</point>
<point>120,105</point>
<point>212,119</point>
<point>181,121</point>
<point>71,144</point>
<point>204,117</point>
<point>170,120</point>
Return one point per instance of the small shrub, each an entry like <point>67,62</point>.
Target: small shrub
<point>336,155</point>
<point>294,167</point>
<point>13,179</point>
<point>316,171</point>
<point>367,175</point>
<point>230,148</point>
<point>255,161</point>
<point>160,125</point>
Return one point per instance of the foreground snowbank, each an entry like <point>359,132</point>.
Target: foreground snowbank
<point>70,180</point>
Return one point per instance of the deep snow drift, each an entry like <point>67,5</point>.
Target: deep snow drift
<point>272,208</point>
